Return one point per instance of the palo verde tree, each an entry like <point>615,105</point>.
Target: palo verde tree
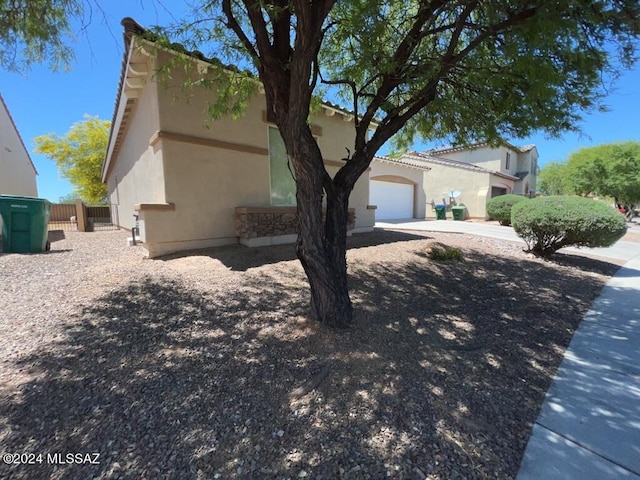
<point>79,155</point>
<point>456,70</point>
<point>609,170</point>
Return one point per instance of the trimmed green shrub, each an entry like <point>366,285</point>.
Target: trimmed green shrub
<point>499,208</point>
<point>547,224</point>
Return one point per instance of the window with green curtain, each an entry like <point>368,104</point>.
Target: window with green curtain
<point>283,186</point>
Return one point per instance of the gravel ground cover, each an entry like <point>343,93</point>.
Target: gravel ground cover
<point>205,365</point>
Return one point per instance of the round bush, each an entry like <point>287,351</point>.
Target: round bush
<point>499,208</point>
<point>547,224</point>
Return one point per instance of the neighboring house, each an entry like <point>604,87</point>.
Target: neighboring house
<point>194,186</point>
<point>469,176</point>
<point>17,172</point>
<point>398,187</point>
<point>506,159</point>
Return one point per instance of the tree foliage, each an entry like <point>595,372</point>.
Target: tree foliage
<point>79,156</point>
<point>455,70</point>
<point>610,170</point>
<point>548,224</point>
<point>68,198</point>
<point>553,179</point>
<point>35,31</point>
<point>499,208</point>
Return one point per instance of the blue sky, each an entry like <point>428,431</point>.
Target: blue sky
<point>42,102</point>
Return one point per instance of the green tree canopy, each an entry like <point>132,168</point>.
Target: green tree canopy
<point>453,70</point>
<point>79,156</point>
<point>610,170</point>
<point>35,31</point>
<point>553,179</point>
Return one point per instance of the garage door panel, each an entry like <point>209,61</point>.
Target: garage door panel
<point>394,200</point>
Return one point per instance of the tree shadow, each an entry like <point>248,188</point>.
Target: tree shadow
<point>437,377</point>
<point>242,258</point>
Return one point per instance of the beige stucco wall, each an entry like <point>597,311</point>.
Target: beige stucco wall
<point>173,154</point>
<point>527,162</point>
<point>389,172</point>
<point>17,175</point>
<point>474,188</point>
<point>137,174</point>
<point>489,158</point>
<point>206,185</point>
<point>486,157</point>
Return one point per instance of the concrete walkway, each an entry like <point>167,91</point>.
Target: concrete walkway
<point>589,424</point>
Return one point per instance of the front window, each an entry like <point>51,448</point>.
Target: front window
<point>283,185</point>
<point>508,162</point>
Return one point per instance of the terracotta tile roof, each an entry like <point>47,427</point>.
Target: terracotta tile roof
<point>133,29</point>
<point>522,149</point>
<point>427,158</point>
<point>18,133</point>
<point>405,160</point>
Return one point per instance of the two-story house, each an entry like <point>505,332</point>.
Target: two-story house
<point>507,159</point>
<point>466,176</point>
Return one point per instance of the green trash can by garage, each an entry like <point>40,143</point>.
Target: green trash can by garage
<point>458,212</point>
<point>24,224</point>
<point>441,212</point>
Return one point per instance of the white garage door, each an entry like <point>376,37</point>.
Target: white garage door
<point>394,200</point>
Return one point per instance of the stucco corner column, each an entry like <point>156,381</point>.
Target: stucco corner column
<point>155,227</point>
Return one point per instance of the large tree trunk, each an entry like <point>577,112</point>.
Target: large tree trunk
<point>321,246</point>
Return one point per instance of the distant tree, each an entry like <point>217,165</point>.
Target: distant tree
<point>79,156</point>
<point>553,179</point>
<point>35,31</point>
<point>609,170</point>
<point>455,70</point>
<point>68,198</point>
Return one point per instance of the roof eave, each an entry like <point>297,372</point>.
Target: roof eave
<point>6,108</point>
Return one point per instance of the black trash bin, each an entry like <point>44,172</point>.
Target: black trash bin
<point>441,212</point>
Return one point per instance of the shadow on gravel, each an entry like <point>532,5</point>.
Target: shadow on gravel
<point>56,235</point>
<point>242,258</point>
<point>442,375</point>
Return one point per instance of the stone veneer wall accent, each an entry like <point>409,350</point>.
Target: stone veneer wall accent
<point>255,222</point>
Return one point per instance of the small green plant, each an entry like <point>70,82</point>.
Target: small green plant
<point>547,224</point>
<point>499,208</point>
<point>445,253</point>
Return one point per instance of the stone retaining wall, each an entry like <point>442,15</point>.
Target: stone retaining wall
<point>256,222</point>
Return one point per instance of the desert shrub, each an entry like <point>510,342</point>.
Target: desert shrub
<point>445,253</point>
<point>547,224</point>
<point>499,208</point>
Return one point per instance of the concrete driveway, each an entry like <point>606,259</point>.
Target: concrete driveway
<point>622,250</point>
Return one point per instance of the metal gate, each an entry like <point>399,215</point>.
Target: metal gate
<point>102,217</point>
<point>62,216</point>
<point>68,216</point>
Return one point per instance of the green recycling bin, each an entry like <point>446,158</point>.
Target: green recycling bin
<point>458,212</point>
<point>441,212</point>
<point>24,224</point>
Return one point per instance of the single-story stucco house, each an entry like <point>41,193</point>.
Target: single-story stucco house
<point>474,174</point>
<point>194,185</point>
<point>17,171</point>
